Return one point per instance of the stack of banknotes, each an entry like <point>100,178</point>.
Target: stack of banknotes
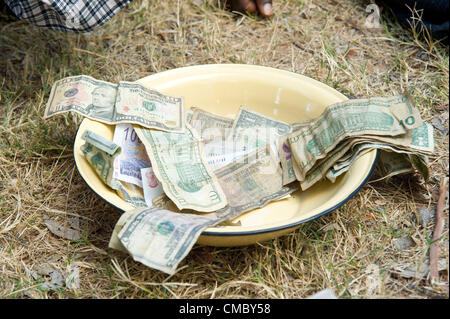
<point>186,170</point>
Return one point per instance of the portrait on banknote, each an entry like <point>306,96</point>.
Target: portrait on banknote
<point>103,99</point>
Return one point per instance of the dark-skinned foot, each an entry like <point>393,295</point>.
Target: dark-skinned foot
<point>263,7</point>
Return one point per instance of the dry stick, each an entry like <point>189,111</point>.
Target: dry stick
<point>90,52</point>
<point>434,248</point>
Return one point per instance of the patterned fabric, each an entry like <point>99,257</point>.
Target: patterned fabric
<point>66,15</point>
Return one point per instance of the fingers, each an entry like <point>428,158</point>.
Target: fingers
<point>251,6</point>
<point>264,7</point>
<point>243,6</point>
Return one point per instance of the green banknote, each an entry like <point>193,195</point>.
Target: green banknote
<point>101,154</point>
<point>385,117</point>
<point>416,143</point>
<point>110,103</point>
<point>160,238</point>
<point>210,126</point>
<point>179,164</point>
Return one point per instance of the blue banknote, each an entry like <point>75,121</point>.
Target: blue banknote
<point>133,157</point>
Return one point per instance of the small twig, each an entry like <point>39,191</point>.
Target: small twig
<point>90,52</point>
<point>434,248</point>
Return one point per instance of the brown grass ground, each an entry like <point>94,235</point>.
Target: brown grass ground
<point>351,250</point>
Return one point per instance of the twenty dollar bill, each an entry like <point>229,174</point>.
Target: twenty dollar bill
<point>179,164</point>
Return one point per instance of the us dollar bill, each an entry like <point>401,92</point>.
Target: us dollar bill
<point>113,104</point>
<point>392,163</point>
<point>220,148</point>
<point>263,130</point>
<point>164,202</point>
<point>253,181</point>
<point>235,211</point>
<point>179,163</point>
<point>247,118</point>
<point>139,105</point>
<point>101,153</point>
<point>285,153</point>
<point>132,194</point>
<point>376,116</point>
<point>211,127</point>
<point>101,143</point>
<point>419,139</point>
<point>421,163</point>
<point>415,146</point>
<point>417,143</point>
<point>159,238</point>
<point>252,177</point>
<point>221,152</point>
<point>249,183</point>
<point>360,149</point>
<point>286,160</point>
<point>345,163</point>
<point>188,116</point>
<point>320,169</point>
<point>169,240</point>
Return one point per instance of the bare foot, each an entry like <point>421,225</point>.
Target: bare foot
<point>263,7</point>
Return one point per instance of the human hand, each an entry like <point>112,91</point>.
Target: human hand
<point>264,7</point>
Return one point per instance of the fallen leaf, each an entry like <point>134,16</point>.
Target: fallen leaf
<point>404,242</point>
<point>423,216</point>
<point>439,126</point>
<point>71,229</point>
<point>56,279</point>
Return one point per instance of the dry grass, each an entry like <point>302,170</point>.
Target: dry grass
<point>350,250</point>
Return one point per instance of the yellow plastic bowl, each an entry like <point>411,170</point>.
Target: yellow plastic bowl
<point>222,89</point>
